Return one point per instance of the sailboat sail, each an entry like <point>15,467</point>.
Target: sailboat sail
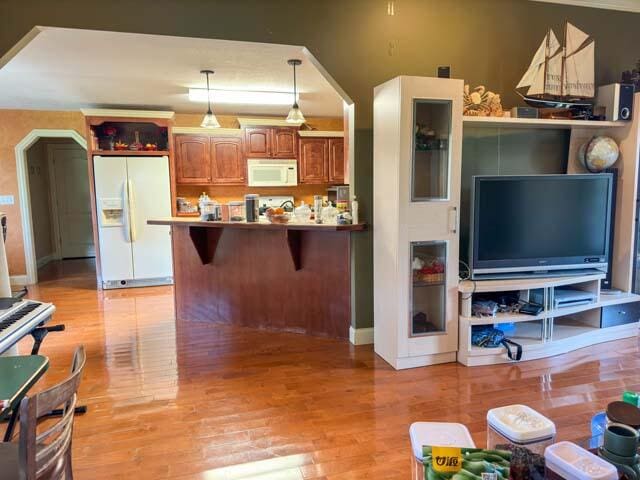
<point>531,76</point>
<point>579,78</point>
<point>574,39</point>
<point>553,84</point>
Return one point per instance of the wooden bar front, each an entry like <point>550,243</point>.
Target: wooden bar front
<point>288,278</point>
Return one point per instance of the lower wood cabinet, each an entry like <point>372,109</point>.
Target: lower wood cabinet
<point>202,160</point>
<point>321,160</point>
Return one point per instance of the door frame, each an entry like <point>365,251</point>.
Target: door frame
<point>24,194</point>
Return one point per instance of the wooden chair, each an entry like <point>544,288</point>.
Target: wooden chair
<point>46,454</point>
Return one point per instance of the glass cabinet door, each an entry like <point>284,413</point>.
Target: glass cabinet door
<point>428,288</point>
<point>431,147</point>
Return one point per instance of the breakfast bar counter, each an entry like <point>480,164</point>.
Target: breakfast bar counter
<point>288,277</point>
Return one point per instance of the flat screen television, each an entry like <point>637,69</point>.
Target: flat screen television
<point>539,224</point>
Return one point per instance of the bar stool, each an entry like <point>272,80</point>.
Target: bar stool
<point>438,434</point>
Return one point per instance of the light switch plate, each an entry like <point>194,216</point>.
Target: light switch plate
<point>7,200</point>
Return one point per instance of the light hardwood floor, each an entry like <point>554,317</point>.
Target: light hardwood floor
<point>204,401</point>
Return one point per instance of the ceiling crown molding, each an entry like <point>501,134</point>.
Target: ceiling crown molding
<point>621,5</point>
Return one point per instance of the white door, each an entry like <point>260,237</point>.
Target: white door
<point>72,201</point>
<point>112,205</point>
<point>150,197</point>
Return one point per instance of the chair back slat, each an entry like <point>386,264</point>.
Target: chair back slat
<point>46,454</point>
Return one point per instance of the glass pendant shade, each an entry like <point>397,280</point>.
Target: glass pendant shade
<point>295,115</point>
<point>210,121</point>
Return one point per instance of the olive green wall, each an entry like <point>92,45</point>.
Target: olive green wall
<point>486,42</point>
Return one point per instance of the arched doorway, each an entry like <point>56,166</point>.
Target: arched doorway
<point>24,191</point>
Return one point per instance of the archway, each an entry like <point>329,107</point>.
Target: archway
<point>24,194</point>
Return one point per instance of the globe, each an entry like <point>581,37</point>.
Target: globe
<point>599,153</point>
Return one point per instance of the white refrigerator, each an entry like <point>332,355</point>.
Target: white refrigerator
<point>129,191</point>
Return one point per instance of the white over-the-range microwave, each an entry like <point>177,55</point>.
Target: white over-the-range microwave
<point>272,172</point>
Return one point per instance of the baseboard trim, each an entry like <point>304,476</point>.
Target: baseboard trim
<point>41,262</point>
<point>361,336</point>
<point>20,280</point>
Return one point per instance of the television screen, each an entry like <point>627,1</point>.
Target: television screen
<point>540,221</point>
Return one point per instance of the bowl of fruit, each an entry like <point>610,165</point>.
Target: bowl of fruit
<point>151,147</point>
<point>276,215</point>
<point>121,145</point>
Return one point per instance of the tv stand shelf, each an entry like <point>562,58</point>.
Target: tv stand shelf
<point>553,331</point>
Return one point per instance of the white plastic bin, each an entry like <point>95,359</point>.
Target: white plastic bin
<point>571,462</point>
<point>519,425</point>
<point>435,434</point>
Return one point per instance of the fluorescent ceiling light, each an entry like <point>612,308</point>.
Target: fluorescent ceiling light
<point>240,97</point>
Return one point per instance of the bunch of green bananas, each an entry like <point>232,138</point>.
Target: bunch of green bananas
<point>475,462</point>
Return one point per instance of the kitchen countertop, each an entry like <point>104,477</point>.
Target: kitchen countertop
<point>262,225</point>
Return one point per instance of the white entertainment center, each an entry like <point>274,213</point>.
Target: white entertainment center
<point>423,311</point>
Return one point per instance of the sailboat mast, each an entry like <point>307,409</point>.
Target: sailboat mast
<point>546,62</point>
<point>564,60</point>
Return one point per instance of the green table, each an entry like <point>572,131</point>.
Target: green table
<point>17,375</point>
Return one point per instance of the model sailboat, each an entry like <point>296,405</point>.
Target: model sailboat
<point>561,76</point>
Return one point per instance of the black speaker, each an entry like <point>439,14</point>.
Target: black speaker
<point>617,100</point>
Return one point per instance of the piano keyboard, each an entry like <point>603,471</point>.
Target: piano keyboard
<point>19,320</point>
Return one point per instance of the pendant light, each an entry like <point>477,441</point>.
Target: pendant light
<point>209,120</point>
<point>295,114</point>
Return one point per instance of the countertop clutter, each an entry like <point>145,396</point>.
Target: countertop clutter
<point>521,445</point>
<point>261,225</point>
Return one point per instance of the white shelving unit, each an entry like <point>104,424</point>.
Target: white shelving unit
<point>553,331</point>
<point>538,123</point>
<point>416,213</point>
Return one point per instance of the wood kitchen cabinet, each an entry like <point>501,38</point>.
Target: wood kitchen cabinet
<point>336,160</point>
<point>203,160</point>
<point>228,165</point>
<point>271,142</point>
<point>314,160</point>
<point>284,142</point>
<point>192,159</point>
<point>321,160</point>
<point>257,142</point>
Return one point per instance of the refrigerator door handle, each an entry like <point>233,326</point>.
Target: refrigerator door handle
<point>125,213</point>
<point>132,210</point>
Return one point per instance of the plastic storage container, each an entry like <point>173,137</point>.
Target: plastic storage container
<point>519,425</point>
<point>435,434</point>
<point>569,461</point>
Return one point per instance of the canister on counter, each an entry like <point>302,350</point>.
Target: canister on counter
<point>252,207</point>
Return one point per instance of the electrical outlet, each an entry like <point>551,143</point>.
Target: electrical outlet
<point>7,200</point>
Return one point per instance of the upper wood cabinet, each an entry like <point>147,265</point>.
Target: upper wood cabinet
<point>193,164</point>
<point>314,160</point>
<point>336,160</point>
<point>270,142</point>
<point>227,162</point>
<point>284,142</point>
<point>257,142</point>
<point>206,160</point>
<point>321,160</point>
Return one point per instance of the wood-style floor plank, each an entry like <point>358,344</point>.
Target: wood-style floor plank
<point>206,401</point>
